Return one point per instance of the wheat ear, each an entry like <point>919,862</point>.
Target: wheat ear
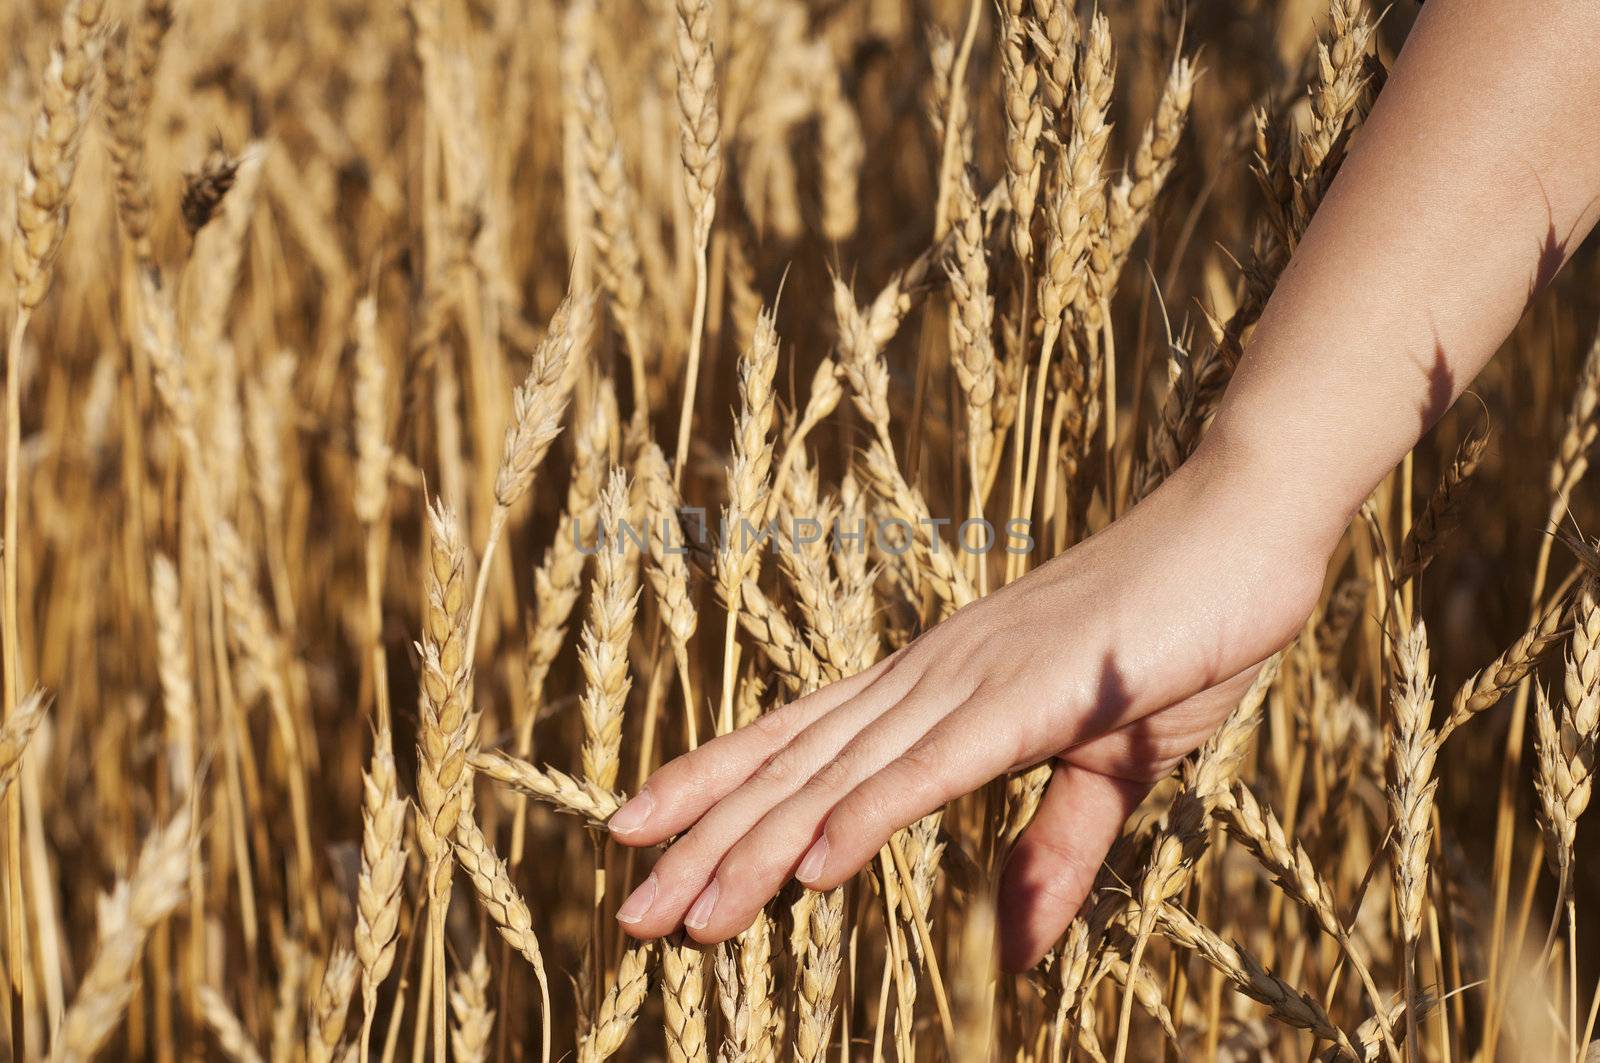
<point>551,785</point>
<point>700,147</point>
<point>669,571</point>
<point>1263,836</point>
<point>611,202</point>
<point>1499,677</point>
<point>230,1033</point>
<point>175,669</point>
<point>128,915</point>
<point>1286,1003</point>
<point>130,84</point>
<point>1053,31</point>
<point>618,1008</point>
<point>1564,778</point>
<point>330,1006</point>
<point>537,407</point>
<point>474,1018</point>
<point>383,866</point>
<point>1133,195</point>
<point>17,733</point>
<point>1413,749</point>
<point>683,1001</point>
<point>972,332</point>
<point>748,490</point>
<point>558,580</point>
<point>52,159</point>
<point>773,632</point>
<point>744,994</point>
<point>842,150</point>
<point>1024,124</point>
<point>448,730</point>
<point>505,906</point>
<point>604,650</point>
<point>1442,513</point>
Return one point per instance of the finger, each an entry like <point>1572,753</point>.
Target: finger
<point>757,865</point>
<point>962,752</point>
<point>680,791</point>
<point>1055,861</point>
<point>662,900</point>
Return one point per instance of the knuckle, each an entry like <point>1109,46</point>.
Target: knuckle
<point>1061,872</point>
<point>779,771</point>
<point>683,862</point>
<point>923,757</point>
<point>862,814</point>
<point>672,776</point>
<point>777,726</point>
<point>834,776</point>
<point>741,873</point>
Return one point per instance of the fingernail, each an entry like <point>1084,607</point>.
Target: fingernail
<point>638,903</point>
<point>631,816</point>
<point>700,915</point>
<point>811,864</point>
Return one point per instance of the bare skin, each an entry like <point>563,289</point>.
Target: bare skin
<point>1475,175</point>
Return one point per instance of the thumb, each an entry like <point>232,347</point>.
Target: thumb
<point>1055,861</point>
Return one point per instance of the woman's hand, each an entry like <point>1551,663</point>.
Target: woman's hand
<point>1468,185</point>
<point>1117,659</point>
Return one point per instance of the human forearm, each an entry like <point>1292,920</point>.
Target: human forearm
<point>1476,174</point>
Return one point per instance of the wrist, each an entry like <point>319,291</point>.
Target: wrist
<point>1304,503</point>
<point>1248,493</point>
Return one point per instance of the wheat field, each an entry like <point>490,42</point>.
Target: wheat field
<point>337,332</point>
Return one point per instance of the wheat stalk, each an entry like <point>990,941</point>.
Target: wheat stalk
<point>287,1006</point>
<point>254,636</point>
<point>42,206</point>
